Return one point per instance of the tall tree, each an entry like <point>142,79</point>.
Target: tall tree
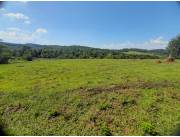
<point>174,47</point>
<point>5,54</point>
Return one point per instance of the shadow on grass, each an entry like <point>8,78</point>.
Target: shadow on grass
<point>2,132</point>
<point>177,132</point>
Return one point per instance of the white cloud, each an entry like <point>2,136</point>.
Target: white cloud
<point>41,30</point>
<point>14,36</point>
<point>24,2</point>
<point>13,29</point>
<point>156,43</point>
<point>27,22</point>
<point>19,36</point>
<point>2,10</point>
<point>15,16</point>
<point>18,16</point>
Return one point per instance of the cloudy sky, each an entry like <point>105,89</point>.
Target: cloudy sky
<point>114,25</point>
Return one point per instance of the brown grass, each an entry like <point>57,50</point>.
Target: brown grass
<point>126,86</point>
<point>170,60</point>
<point>158,61</point>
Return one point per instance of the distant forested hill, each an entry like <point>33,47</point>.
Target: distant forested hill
<point>30,51</point>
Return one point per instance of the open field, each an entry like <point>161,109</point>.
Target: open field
<point>90,97</point>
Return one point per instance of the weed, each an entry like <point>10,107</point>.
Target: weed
<point>80,105</point>
<point>149,129</point>
<point>128,101</point>
<point>105,131</point>
<point>105,106</point>
<point>53,114</point>
<point>36,115</point>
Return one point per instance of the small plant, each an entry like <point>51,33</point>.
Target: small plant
<point>105,131</point>
<point>149,129</point>
<point>105,106</point>
<point>79,105</point>
<point>93,118</point>
<point>128,101</point>
<point>36,115</point>
<point>53,114</point>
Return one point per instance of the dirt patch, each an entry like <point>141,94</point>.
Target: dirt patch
<point>63,112</point>
<point>127,86</point>
<point>151,85</point>
<point>129,102</point>
<point>15,108</point>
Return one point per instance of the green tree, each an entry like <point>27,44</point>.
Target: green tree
<point>174,47</point>
<point>27,56</point>
<point>5,54</point>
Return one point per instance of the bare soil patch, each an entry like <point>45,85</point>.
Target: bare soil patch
<point>127,86</point>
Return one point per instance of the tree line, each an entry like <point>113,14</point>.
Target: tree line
<point>66,52</point>
<point>79,52</point>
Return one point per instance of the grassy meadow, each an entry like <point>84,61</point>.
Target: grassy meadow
<point>90,97</point>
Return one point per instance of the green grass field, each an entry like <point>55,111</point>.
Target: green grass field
<point>90,97</point>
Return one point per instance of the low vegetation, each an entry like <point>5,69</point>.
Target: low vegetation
<point>89,97</point>
<point>94,94</point>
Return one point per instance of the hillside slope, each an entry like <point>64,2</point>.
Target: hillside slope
<point>77,51</point>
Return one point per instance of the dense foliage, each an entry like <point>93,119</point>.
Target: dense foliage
<point>77,52</point>
<point>31,51</point>
<point>174,47</point>
<point>5,54</point>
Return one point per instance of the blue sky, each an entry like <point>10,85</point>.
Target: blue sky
<point>114,25</point>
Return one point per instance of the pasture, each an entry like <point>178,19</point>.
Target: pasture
<point>90,97</point>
